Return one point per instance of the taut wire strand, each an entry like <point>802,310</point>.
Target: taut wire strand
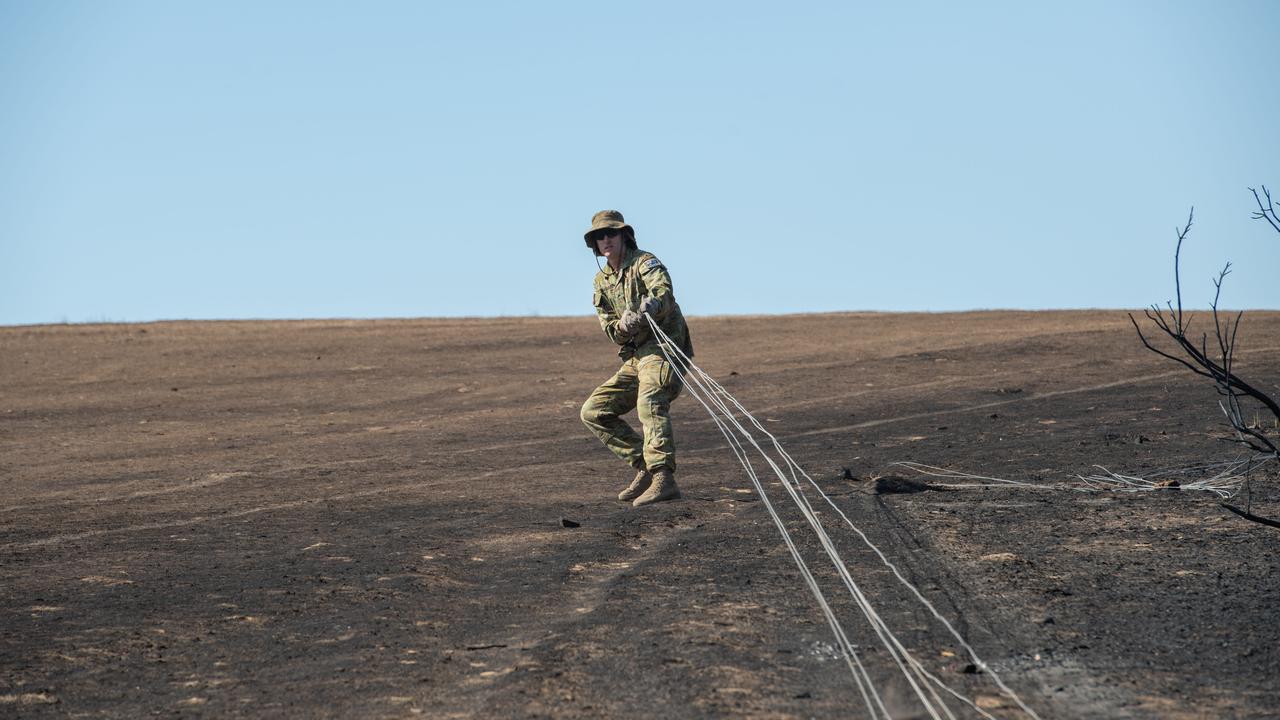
<point>712,396</point>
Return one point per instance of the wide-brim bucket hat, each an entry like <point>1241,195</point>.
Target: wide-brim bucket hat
<point>607,220</point>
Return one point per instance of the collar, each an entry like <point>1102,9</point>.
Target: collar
<point>627,259</point>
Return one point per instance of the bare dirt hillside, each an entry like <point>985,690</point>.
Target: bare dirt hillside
<point>363,519</point>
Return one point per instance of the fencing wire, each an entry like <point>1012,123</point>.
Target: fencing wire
<point>1226,481</point>
<point>926,686</point>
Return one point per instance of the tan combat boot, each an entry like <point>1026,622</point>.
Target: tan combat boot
<point>662,488</point>
<point>637,486</point>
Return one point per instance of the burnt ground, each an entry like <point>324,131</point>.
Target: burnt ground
<point>362,519</point>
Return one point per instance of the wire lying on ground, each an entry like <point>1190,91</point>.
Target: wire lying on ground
<point>1226,480</point>
<point>928,689</point>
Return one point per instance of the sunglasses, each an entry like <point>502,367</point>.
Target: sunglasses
<point>602,234</point>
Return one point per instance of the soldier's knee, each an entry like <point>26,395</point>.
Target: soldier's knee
<point>590,413</point>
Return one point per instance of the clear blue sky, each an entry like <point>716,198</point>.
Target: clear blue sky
<point>405,159</point>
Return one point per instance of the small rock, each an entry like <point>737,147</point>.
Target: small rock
<point>566,522</point>
<point>847,475</point>
<point>970,669</point>
<point>989,702</point>
<point>803,696</point>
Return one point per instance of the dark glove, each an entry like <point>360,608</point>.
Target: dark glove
<point>631,322</point>
<point>649,306</point>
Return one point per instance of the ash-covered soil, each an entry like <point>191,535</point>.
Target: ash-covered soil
<point>363,519</point>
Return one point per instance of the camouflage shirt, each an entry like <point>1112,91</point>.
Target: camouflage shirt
<point>619,290</point>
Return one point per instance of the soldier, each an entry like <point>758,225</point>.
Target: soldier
<point>631,284</point>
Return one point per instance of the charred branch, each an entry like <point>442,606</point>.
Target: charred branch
<point>1266,211</point>
<point>1217,364</point>
<point>1251,517</point>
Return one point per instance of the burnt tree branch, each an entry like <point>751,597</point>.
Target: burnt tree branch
<point>1251,517</point>
<point>1266,211</point>
<point>1217,365</point>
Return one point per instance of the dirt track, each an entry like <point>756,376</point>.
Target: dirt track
<point>362,519</point>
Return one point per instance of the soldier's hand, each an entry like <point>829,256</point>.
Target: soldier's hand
<point>631,322</point>
<point>649,306</point>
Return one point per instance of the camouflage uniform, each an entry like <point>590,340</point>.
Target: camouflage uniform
<point>646,380</point>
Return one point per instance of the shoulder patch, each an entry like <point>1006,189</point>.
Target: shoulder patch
<point>652,263</point>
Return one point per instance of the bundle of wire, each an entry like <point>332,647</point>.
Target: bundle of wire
<point>931,692</point>
<point>1224,479</point>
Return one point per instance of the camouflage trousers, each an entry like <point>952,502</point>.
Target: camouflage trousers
<point>647,384</point>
